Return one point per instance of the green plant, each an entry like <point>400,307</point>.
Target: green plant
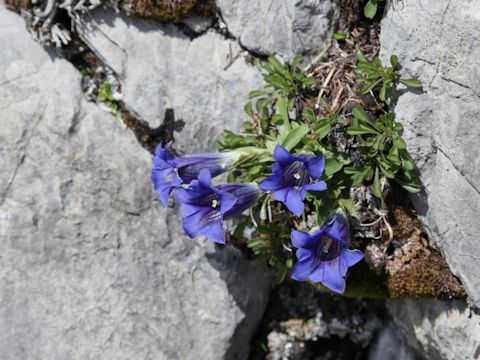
<point>375,75</point>
<point>376,152</point>
<point>105,95</point>
<point>384,151</point>
<point>370,9</point>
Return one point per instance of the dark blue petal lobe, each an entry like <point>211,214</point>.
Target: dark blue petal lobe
<point>316,166</point>
<point>294,202</point>
<point>302,270</point>
<point>283,156</point>
<point>332,278</point>
<point>302,239</point>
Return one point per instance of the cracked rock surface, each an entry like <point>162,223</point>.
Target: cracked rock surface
<point>205,80</point>
<point>91,266</point>
<point>440,47</point>
<point>285,28</point>
<point>439,330</point>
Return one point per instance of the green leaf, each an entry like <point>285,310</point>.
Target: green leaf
<point>409,182</point>
<point>296,61</point>
<point>256,93</point>
<point>310,115</point>
<point>248,109</point>
<point>399,143</point>
<point>394,60</point>
<point>332,166</point>
<point>295,136</point>
<point>370,9</point>
<point>339,36</point>
<point>407,161</point>
<point>376,184</point>
<point>322,129</point>
<point>370,86</point>
<point>276,65</point>
<point>360,57</point>
<point>413,83</point>
<point>360,114</point>
<point>383,91</point>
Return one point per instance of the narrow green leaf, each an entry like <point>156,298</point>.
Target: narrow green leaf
<point>370,86</point>
<point>360,114</point>
<point>256,93</point>
<point>383,91</point>
<point>413,83</point>
<point>360,57</point>
<point>295,136</point>
<point>376,184</point>
<point>248,109</point>
<point>276,65</point>
<point>339,36</point>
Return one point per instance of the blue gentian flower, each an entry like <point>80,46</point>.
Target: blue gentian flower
<point>205,207</point>
<point>170,171</point>
<point>323,255</point>
<point>292,177</point>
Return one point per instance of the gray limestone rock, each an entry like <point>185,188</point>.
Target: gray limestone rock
<point>91,266</point>
<point>285,28</point>
<point>390,344</point>
<point>439,330</point>
<point>205,80</point>
<point>437,41</point>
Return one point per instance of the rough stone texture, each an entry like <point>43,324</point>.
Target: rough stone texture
<point>441,48</point>
<point>205,80</point>
<point>390,344</point>
<point>439,330</point>
<point>285,28</point>
<point>91,266</point>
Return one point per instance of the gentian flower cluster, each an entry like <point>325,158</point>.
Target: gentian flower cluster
<point>323,254</point>
<point>204,207</point>
<point>169,171</point>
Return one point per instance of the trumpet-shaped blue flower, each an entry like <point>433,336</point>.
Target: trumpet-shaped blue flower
<point>292,177</point>
<point>323,255</point>
<point>170,171</point>
<point>205,207</point>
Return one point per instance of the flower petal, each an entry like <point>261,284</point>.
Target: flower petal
<point>165,196</point>
<point>283,156</point>
<point>302,270</point>
<point>302,239</point>
<point>281,194</point>
<point>294,202</point>
<point>352,257</point>
<point>332,278</point>
<point>214,231</point>
<point>227,201</point>
<point>182,195</point>
<point>317,275</point>
<point>271,183</point>
<point>204,177</point>
<point>161,164</point>
<point>319,186</point>
<point>193,224</point>
<point>304,254</point>
<point>316,166</point>
<point>339,228</point>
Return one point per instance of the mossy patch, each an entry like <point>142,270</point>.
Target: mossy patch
<point>160,10</point>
